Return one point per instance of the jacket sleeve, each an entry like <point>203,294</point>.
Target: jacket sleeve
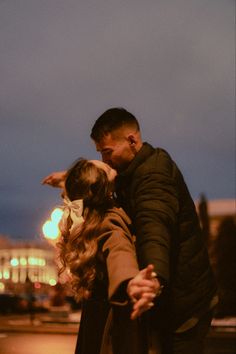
<point>121,263</point>
<point>155,211</point>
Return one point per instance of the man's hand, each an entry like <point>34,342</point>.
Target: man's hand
<point>142,290</point>
<point>55,179</point>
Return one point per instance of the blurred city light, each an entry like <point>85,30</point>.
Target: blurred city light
<point>52,282</point>
<point>14,262</point>
<point>50,227</point>
<point>37,285</point>
<point>23,261</point>
<point>18,265</point>
<point>2,287</point>
<point>6,274</point>
<point>56,215</point>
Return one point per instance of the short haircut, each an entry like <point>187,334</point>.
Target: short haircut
<point>111,120</point>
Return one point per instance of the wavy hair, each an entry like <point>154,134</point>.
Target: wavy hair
<point>78,245</point>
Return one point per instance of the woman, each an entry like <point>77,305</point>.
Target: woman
<point>97,247</point>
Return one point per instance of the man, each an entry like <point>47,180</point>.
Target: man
<point>151,189</point>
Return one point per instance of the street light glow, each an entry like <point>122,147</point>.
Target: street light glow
<point>51,230</point>
<point>50,227</point>
<point>56,215</point>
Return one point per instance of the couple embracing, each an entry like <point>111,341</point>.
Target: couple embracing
<point>134,211</point>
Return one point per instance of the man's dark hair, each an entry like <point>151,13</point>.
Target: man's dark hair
<point>110,120</point>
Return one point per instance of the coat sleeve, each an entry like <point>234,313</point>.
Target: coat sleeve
<point>155,211</point>
<point>121,263</point>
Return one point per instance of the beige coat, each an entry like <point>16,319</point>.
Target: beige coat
<point>105,326</point>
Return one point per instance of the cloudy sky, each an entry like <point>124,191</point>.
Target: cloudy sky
<point>63,62</point>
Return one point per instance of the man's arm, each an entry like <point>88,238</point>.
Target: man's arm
<point>155,215</point>
<point>55,179</point>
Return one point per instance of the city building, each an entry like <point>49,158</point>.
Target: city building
<point>21,264</point>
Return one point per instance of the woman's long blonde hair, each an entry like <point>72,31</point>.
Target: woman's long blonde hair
<point>78,245</point>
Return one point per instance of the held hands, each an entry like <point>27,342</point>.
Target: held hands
<point>142,290</point>
<point>55,179</point>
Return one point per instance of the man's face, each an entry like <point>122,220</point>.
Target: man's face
<point>116,151</point>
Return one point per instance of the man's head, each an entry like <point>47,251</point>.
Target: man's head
<point>116,134</point>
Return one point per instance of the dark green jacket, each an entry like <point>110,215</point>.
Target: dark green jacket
<point>153,193</point>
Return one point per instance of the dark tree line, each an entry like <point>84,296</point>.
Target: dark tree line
<point>222,252</point>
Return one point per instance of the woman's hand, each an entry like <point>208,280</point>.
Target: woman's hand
<point>55,179</point>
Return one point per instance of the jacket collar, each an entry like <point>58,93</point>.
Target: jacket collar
<point>145,151</point>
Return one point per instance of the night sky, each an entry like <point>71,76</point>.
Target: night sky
<point>62,63</point>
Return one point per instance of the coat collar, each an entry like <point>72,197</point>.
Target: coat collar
<point>145,151</point>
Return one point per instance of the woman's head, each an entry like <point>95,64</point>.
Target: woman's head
<point>90,180</point>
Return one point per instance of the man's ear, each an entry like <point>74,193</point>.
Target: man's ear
<point>132,140</point>
<point>135,141</point>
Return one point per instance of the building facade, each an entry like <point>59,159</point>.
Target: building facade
<point>20,265</point>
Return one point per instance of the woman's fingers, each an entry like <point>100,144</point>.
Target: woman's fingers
<point>142,305</point>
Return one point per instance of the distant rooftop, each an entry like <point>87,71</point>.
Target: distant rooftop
<point>221,207</point>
